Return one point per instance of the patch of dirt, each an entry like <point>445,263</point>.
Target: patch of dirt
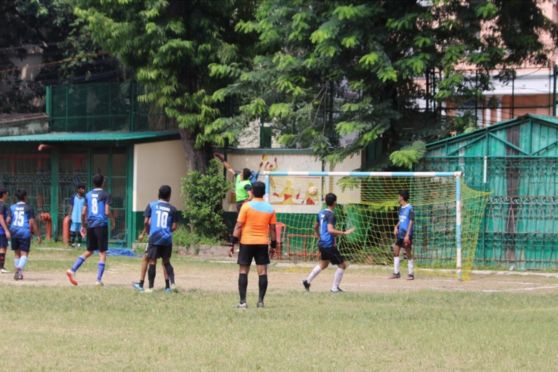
<point>222,277</point>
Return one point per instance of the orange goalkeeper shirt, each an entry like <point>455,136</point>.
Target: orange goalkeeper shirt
<point>256,216</point>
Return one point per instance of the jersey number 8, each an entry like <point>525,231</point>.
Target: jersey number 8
<point>162,219</point>
<point>94,206</point>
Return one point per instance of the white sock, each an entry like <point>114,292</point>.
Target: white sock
<point>411,265</point>
<point>337,278</point>
<point>314,273</point>
<point>396,264</point>
<point>16,262</point>
<point>22,262</point>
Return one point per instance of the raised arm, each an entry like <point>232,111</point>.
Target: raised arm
<point>226,164</point>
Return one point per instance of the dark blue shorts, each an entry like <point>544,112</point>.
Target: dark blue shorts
<point>97,239</point>
<point>331,254</point>
<point>400,242</point>
<point>3,241</point>
<point>21,244</point>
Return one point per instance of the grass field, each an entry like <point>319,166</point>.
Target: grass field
<point>491,323</point>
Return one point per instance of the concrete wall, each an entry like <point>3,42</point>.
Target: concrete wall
<point>156,164</point>
<point>294,194</point>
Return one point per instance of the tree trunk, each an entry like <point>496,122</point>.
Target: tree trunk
<point>195,159</point>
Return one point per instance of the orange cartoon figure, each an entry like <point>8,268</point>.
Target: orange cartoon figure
<point>311,196</point>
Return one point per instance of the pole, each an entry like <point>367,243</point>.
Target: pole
<point>554,73</point>
<point>513,97</point>
<point>54,187</point>
<point>458,220</point>
<point>485,170</point>
<point>266,180</point>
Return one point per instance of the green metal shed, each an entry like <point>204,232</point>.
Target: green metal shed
<point>51,175</point>
<point>517,162</point>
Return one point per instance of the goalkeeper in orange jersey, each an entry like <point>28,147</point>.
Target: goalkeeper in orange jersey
<point>403,232</point>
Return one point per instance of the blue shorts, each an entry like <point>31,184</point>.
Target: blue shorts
<point>75,227</point>
<point>3,241</point>
<point>23,244</point>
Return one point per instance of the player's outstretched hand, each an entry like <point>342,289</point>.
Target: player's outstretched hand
<point>231,250</point>
<point>395,232</point>
<point>351,230</point>
<point>140,238</point>
<point>83,232</point>
<point>219,156</point>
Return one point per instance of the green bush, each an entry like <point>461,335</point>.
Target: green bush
<point>182,237</point>
<point>203,196</point>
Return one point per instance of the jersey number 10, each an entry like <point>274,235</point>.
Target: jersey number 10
<point>162,219</point>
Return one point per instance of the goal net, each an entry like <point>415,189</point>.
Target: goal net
<point>448,215</point>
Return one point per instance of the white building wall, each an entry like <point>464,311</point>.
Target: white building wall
<point>156,164</point>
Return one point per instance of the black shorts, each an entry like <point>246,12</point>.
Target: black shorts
<point>23,244</point>
<point>332,255</point>
<point>399,242</point>
<point>97,239</point>
<point>259,252</point>
<point>3,241</point>
<point>154,252</point>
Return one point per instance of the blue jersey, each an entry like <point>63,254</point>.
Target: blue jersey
<point>96,200</point>
<point>4,211</point>
<point>163,215</point>
<point>326,217</point>
<point>406,215</point>
<point>20,226</point>
<point>77,206</point>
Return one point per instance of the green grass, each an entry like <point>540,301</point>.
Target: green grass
<point>86,328</point>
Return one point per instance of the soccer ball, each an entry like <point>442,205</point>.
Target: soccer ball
<point>312,191</point>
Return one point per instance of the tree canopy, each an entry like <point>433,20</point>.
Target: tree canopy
<point>328,69</point>
<point>66,53</point>
<point>332,75</point>
<point>174,46</point>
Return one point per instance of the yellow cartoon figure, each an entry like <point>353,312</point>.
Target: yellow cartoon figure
<point>287,193</point>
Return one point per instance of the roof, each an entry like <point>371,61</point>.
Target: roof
<point>526,136</point>
<point>54,137</point>
<point>266,151</point>
<point>550,120</point>
<point>18,118</point>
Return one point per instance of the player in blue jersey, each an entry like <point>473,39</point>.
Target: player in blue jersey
<point>325,233</point>
<point>22,226</point>
<point>94,220</point>
<point>76,207</point>
<point>160,220</point>
<point>403,232</point>
<point>5,235</point>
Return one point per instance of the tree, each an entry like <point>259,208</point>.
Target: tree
<point>183,52</point>
<point>48,29</point>
<point>327,69</point>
